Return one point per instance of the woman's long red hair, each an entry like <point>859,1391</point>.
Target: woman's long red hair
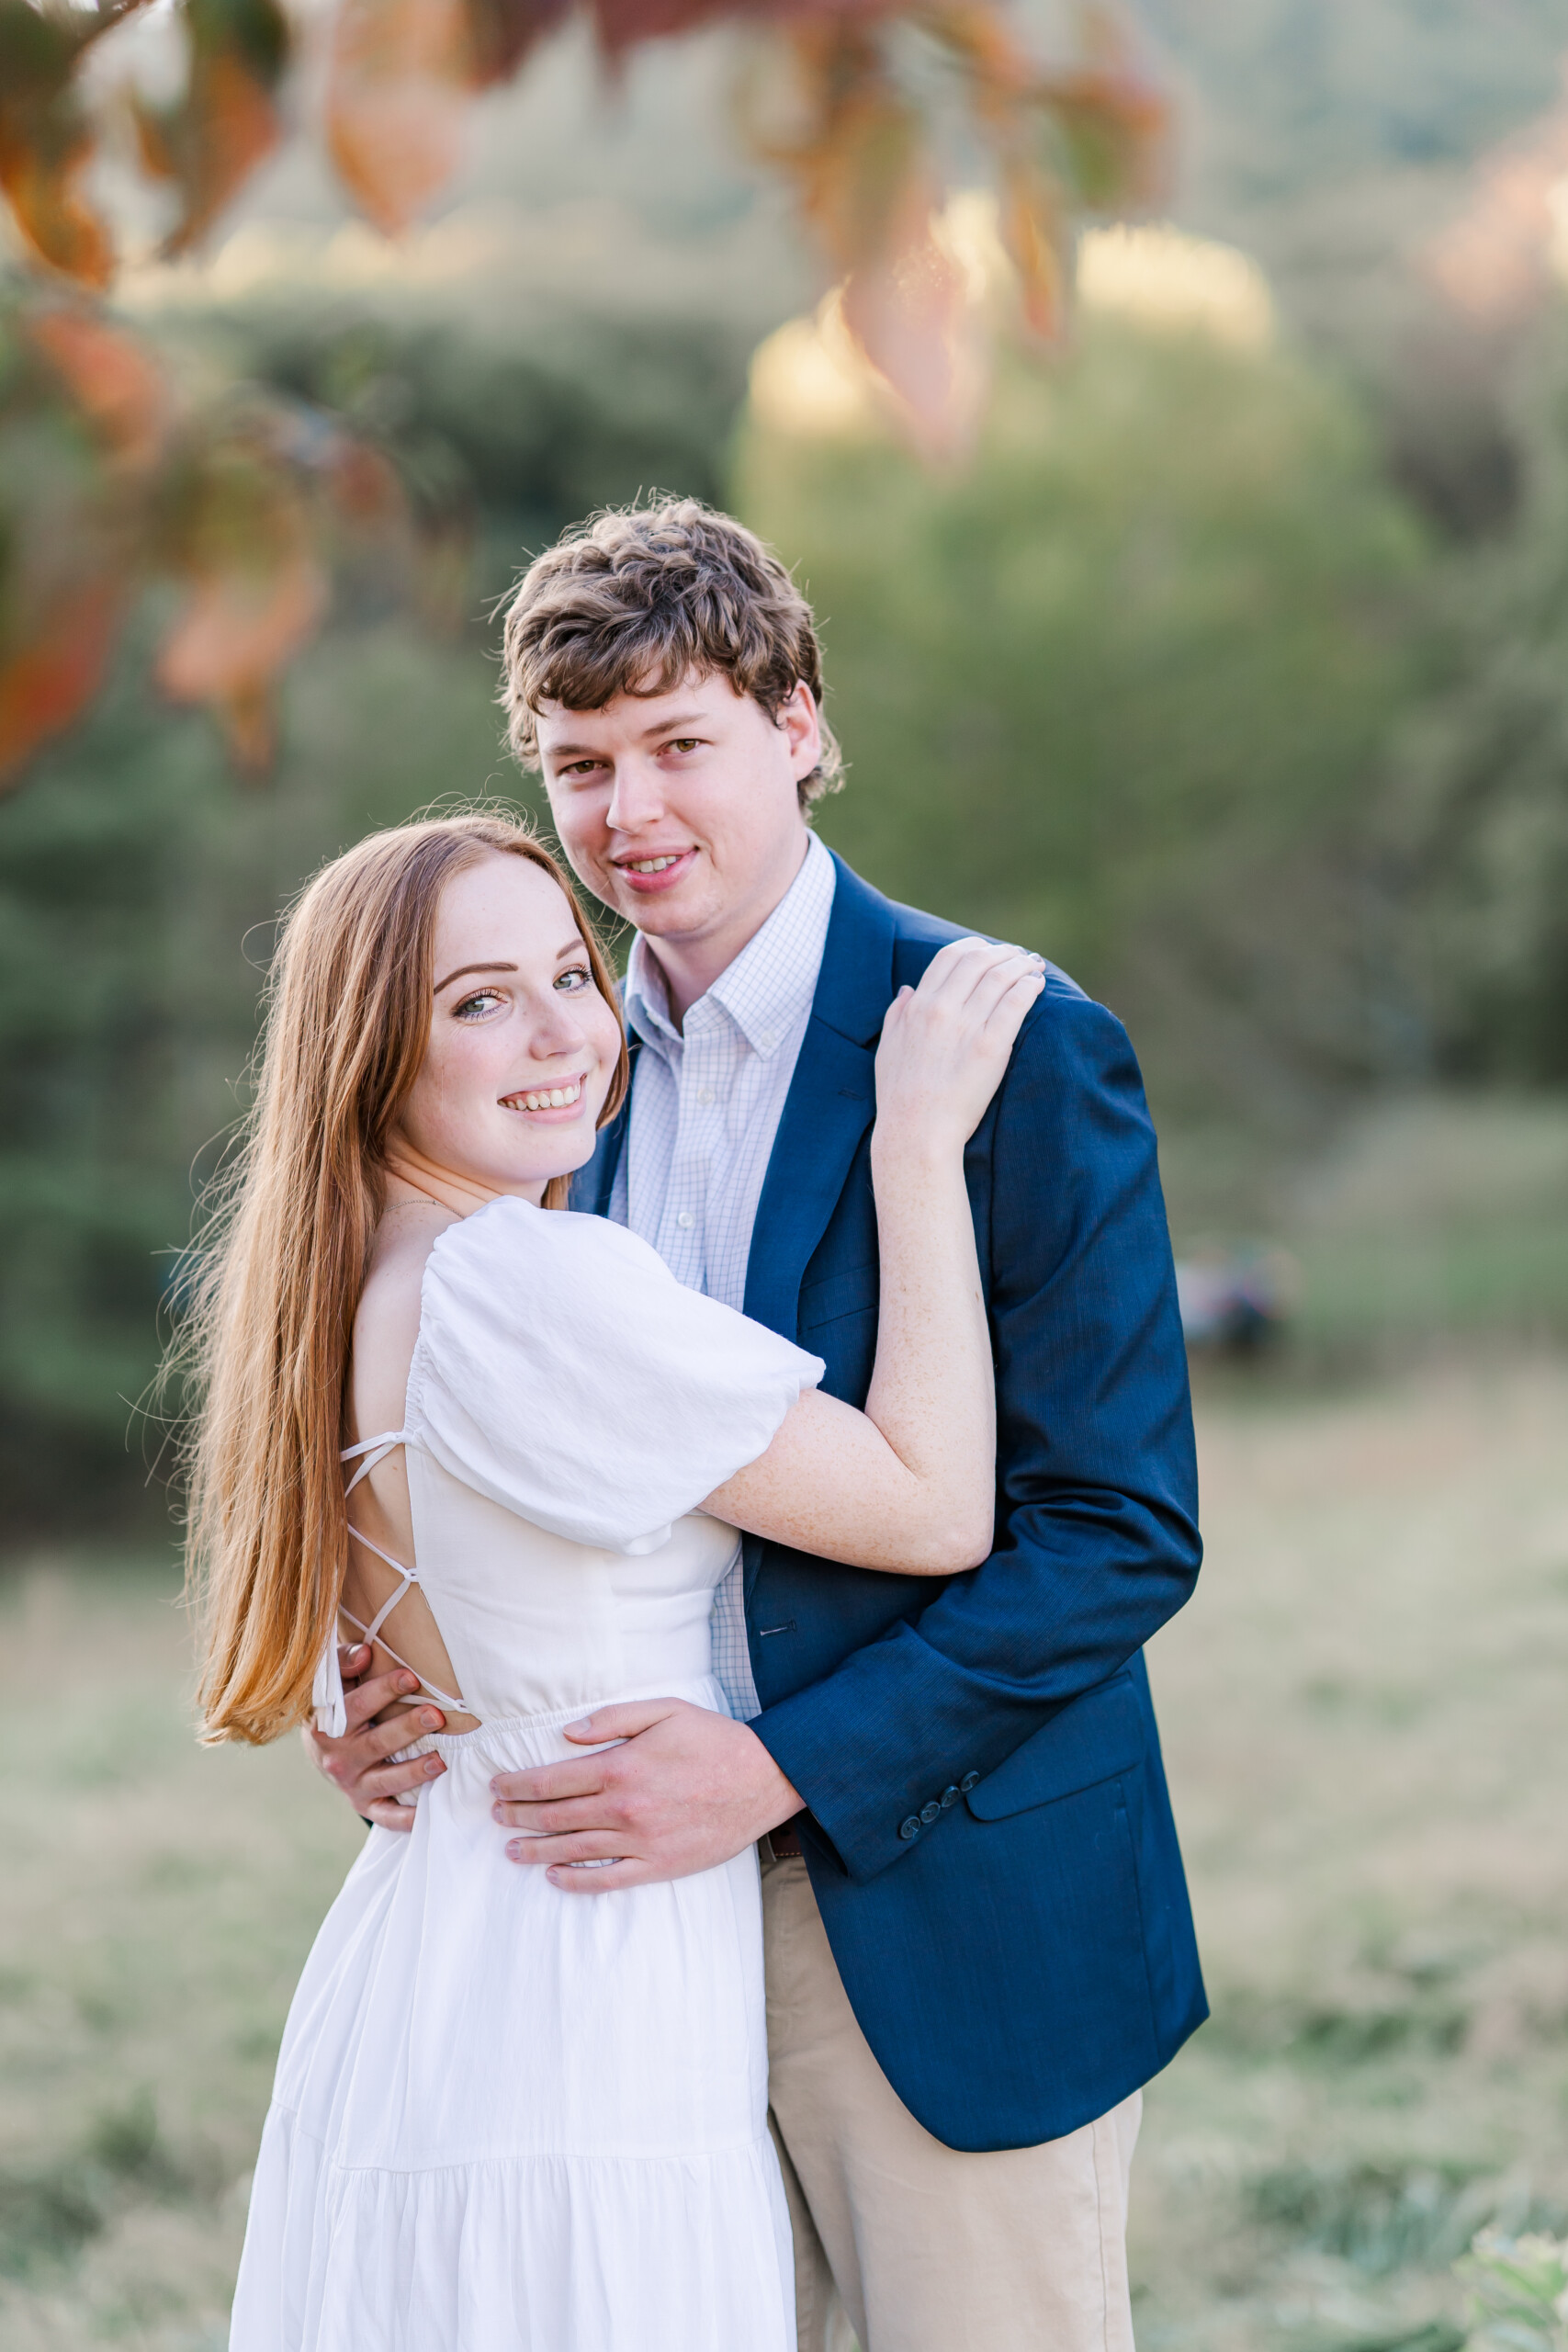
<point>284,1253</point>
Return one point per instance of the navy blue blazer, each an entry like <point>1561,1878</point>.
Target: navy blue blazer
<point>989,1838</point>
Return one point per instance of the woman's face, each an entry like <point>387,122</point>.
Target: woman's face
<point>522,1047</point>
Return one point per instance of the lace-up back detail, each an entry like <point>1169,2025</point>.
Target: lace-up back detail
<point>568,1407</point>
<point>329,1701</point>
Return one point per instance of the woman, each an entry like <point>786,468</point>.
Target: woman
<point>505,2118</point>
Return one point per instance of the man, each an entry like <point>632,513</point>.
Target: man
<point>978,1944</point>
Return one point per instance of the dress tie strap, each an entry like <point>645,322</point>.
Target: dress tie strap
<point>375,1449</point>
<point>329,1696</point>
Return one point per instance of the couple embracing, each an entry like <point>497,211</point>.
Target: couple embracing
<point>747,1446</point>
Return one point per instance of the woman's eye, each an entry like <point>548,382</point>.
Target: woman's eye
<point>576,976</point>
<point>475,1007</point>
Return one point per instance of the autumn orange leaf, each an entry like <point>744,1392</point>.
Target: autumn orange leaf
<point>113,380</point>
<point>212,139</point>
<point>46,139</point>
<point>401,76</point>
<point>54,673</point>
<point>238,632</point>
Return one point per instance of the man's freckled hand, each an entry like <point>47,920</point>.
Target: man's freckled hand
<point>680,1789</point>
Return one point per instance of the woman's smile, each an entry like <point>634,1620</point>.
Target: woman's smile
<point>554,1105</point>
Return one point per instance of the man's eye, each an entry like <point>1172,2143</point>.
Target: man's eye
<point>474,1008</point>
<point>582,768</point>
<point>685,743</point>
<point>577,975</point>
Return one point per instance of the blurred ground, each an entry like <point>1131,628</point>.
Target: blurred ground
<point>1363,1716</point>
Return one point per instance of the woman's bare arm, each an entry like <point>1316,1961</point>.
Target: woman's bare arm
<point>909,1485</point>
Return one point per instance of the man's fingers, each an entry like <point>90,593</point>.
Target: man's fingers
<point>604,1881</point>
<point>373,1787</point>
<point>624,1722</point>
<point>598,1810</point>
<point>550,1783</point>
<point>388,1815</point>
<point>582,1845</point>
<point>372,1698</point>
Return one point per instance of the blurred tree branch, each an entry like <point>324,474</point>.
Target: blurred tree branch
<point>108,477</point>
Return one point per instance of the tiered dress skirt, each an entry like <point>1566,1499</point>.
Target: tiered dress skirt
<point>512,2118</point>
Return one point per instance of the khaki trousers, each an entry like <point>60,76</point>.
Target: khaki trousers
<point>916,2246</point>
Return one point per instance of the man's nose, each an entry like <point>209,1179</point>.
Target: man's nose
<point>636,800</point>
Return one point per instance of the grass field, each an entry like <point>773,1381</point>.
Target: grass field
<point>1364,1718</point>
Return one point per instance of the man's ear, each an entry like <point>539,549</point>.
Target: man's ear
<point>802,724</point>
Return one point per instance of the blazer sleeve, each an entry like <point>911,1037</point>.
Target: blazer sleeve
<point>1096,1540</point>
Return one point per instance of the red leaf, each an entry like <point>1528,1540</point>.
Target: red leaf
<point>502,33</point>
<point>401,75</point>
<point>115,380</point>
<point>46,140</point>
<point>237,634</point>
<point>212,140</point>
<point>50,677</point>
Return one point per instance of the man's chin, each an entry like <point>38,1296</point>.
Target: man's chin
<point>665,915</point>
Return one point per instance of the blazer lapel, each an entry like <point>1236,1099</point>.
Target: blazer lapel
<point>831,1101</point>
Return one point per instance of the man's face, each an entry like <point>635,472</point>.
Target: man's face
<point>681,809</point>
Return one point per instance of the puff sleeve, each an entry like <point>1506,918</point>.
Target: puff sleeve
<point>563,1371</point>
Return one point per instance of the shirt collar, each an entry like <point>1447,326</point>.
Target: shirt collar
<point>768,988</point>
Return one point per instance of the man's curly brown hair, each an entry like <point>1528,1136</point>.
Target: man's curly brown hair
<point>638,598</point>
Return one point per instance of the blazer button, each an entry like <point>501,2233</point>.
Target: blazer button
<point>911,1828</point>
<point>929,1812</point>
<point>949,1796</point>
<point>970,1781</point>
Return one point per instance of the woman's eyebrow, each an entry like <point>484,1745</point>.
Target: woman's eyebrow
<point>464,968</point>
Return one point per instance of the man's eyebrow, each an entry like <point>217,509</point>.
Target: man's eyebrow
<point>464,968</point>
<point>681,723</point>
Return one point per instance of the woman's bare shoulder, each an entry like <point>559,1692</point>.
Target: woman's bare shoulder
<point>386,1327</point>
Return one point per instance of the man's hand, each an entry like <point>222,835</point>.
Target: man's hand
<point>357,1762</point>
<point>684,1790</point>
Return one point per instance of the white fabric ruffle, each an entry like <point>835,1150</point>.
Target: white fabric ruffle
<point>563,1371</point>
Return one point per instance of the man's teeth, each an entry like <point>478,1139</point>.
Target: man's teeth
<point>656,865</point>
<point>553,1098</point>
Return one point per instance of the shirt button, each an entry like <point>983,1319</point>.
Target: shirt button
<point>685,1220</point>
<point>911,1827</point>
<point>704,1095</point>
<point>970,1781</point>
<point>929,1812</point>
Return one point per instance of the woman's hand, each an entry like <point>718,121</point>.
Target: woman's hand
<point>945,1045</point>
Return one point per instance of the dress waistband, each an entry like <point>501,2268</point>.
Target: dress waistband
<point>703,1691</point>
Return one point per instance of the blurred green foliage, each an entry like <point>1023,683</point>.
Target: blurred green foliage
<point>1120,689</point>
<point>1478,806</point>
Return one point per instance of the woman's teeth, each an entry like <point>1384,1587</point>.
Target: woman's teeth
<point>552,1098</point>
<point>657,864</point>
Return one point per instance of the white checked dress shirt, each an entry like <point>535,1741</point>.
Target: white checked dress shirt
<point>707,1101</point>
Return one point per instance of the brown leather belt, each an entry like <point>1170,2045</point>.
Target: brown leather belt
<point>786,1841</point>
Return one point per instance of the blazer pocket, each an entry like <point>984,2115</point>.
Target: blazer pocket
<point>833,1296</point>
<point>1097,1737</point>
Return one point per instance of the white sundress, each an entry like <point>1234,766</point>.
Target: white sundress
<point>506,2118</point>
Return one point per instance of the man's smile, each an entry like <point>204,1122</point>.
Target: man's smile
<point>654,870</point>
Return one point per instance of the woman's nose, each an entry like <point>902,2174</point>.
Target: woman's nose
<point>555,1031</point>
